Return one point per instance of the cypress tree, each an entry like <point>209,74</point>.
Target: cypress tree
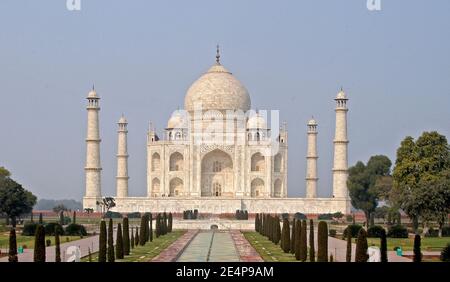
<point>361,246</point>
<point>61,218</point>
<point>292,247</point>
<point>74,220</point>
<point>41,221</point>
<point>383,246</point>
<point>12,255</point>
<point>298,235</point>
<point>169,227</point>
<point>303,243</point>
<point>312,253</point>
<point>102,242</point>
<point>286,236</point>
<point>331,258</point>
<point>256,222</point>
<point>150,231</point>
<point>348,254</point>
<point>39,244</point>
<point>164,224</point>
<point>110,241</point>
<point>119,242</point>
<point>278,231</point>
<point>417,252</point>
<point>147,228</point>
<point>136,237</point>
<point>132,238</point>
<point>322,242</point>
<point>158,225</point>
<point>126,237</point>
<point>142,236</point>
<point>57,246</point>
<point>31,216</point>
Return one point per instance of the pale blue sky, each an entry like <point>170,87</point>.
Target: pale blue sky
<point>142,56</point>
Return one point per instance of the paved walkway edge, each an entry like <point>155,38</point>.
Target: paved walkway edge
<point>171,253</point>
<point>245,250</point>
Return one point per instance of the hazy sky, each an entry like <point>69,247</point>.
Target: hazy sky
<point>143,55</point>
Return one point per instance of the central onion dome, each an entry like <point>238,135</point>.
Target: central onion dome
<point>217,89</point>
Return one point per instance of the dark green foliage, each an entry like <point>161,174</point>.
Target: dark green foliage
<point>39,244</point>
<point>312,251</point>
<point>41,221</point>
<point>417,252</point>
<point>432,232</point>
<point>111,257</point>
<point>74,217</point>
<point>134,215</point>
<point>446,231</point>
<point>119,242</point>
<point>189,214</point>
<point>300,216</point>
<point>361,247</point>
<point>303,243</point>
<point>111,214</point>
<point>136,237</point>
<point>257,222</point>
<point>74,229</point>
<point>132,238</point>
<point>322,242</point>
<point>12,255</point>
<point>158,225</point>
<point>332,232</point>
<point>150,231</point>
<point>330,216</point>
<point>102,242</point>
<point>354,230</point>
<point>375,231</point>
<point>445,253</point>
<point>169,226</point>
<point>397,231</point>
<point>29,229</point>
<point>348,254</point>
<point>383,246</point>
<point>51,227</point>
<point>277,230</point>
<point>126,237</point>
<point>297,244</point>
<point>286,236</point>
<point>61,217</point>
<point>57,246</point>
<point>292,247</point>
<point>164,224</point>
<point>143,235</point>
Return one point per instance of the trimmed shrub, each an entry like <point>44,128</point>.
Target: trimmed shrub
<point>298,235</point>
<point>383,246</point>
<point>348,254</point>
<point>136,237</point>
<point>102,242</point>
<point>375,231</point>
<point>300,216</point>
<point>132,238</point>
<point>111,214</point>
<point>74,217</point>
<point>416,251</point>
<point>322,242</point>
<point>361,247</point>
<point>119,242</point>
<point>12,254</point>
<point>39,244</point>
<point>29,229</point>
<point>277,230</point>
<point>397,231</point>
<point>325,216</point>
<point>57,246</point>
<point>111,257</point>
<point>170,221</point>
<point>142,237</point>
<point>41,221</point>
<point>446,231</point>
<point>303,245</point>
<point>150,219</point>
<point>51,227</point>
<point>292,247</point>
<point>311,242</point>
<point>445,253</point>
<point>74,229</point>
<point>126,237</point>
<point>134,215</point>
<point>432,232</point>
<point>285,236</point>
<point>354,230</point>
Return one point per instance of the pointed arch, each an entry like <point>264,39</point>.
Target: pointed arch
<point>258,162</point>
<point>257,187</point>
<point>176,162</point>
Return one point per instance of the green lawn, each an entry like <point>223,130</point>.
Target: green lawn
<point>29,240</point>
<point>149,250</point>
<point>407,244</point>
<point>266,249</point>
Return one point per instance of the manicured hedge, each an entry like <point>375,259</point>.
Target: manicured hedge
<point>354,230</point>
<point>397,231</point>
<point>74,229</point>
<point>375,231</point>
<point>29,229</point>
<point>50,229</point>
<point>111,214</point>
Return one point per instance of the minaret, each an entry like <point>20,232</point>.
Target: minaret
<point>311,160</point>
<point>122,159</point>
<point>93,167</point>
<point>340,165</point>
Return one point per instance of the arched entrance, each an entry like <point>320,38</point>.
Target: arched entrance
<point>217,174</point>
<point>257,187</point>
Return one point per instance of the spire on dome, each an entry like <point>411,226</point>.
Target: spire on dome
<point>218,54</point>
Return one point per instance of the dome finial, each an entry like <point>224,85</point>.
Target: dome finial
<point>218,54</point>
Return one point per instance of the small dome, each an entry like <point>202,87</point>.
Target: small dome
<point>341,95</point>
<point>92,94</point>
<point>256,122</point>
<point>123,120</point>
<point>312,121</point>
<point>177,120</point>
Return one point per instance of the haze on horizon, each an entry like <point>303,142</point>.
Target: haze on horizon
<point>292,56</point>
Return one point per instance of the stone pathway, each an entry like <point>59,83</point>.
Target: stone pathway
<point>245,250</point>
<point>210,246</point>
<point>173,251</point>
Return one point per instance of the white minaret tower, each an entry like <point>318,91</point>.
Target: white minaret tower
<point>122,159</point>
<point>311,160</point>
<point>340,164</point>
<point>93,167</point>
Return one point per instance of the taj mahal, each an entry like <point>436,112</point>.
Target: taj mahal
<point>217,155</point>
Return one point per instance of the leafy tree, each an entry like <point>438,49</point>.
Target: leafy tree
<point>348,255</point>
<point>107,203</point>
<point>57,246</point>
<point>4,172</point>
<point>363,181</point>
<point>110,241</point>
<point>292,247</point>
<point>322,242</point>
<point>285,241</point>
<point>312,253</point>
<point>421,186</point>
<point>59,208</point>
<point>12,255</point>
<point>119,242</point>
<point>417,252</point>
<point>14,199</point>
<point>39,244</point>
<point>361,247</point>
<point>102,242</point>
<point>383,246</point>
<point>303,245</point>
<point>126,237</point>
